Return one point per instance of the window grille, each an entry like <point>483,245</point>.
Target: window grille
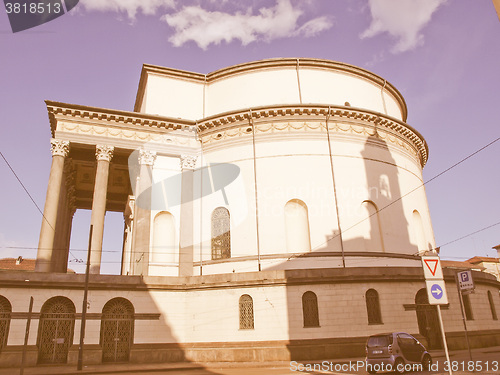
<point>246,312</point>
<point>492,306</point>
<point>5,310</point>
<point>55,330</point>
<point>310,309</point>
<point>117,330</point>
<point>373,307</point>
<point>221,234</point>
<point>467,307</point>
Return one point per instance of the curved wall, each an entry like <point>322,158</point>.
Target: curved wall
<point>181,94</point>
<point>294,155</point>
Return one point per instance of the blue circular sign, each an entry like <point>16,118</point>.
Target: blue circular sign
<point>436,291</point>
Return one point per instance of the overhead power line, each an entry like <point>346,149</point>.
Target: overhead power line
<point>413,190</point>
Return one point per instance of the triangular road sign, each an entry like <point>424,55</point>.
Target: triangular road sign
<point>432,268</point>
<point>432,265</point>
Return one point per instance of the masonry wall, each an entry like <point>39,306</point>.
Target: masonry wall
<point>197,318</point>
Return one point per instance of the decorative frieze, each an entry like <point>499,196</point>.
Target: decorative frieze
<point>311,119</point>
<point>104,152</point>
<point>188,161</point>
<point>59,147</point>
<point>147,157</point>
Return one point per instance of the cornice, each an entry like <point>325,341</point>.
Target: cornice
<point>275,63</point>
<point>316,112</point>
<point>116,116</point>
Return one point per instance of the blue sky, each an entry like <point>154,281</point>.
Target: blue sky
<point>442,55</point>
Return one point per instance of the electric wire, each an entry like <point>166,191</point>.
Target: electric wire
<point>29,195</point>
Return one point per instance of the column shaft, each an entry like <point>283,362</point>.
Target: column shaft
<point>44,257</point>
<point>104,155</point>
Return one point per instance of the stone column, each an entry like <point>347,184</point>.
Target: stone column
<point>142,217</point>
<point>44,256</point>
<point>104,155</point>
<point>188,164</point>
<point>128,217</point>
<point>67,207</point>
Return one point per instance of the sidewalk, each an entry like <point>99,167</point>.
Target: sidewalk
<point>131,368</point>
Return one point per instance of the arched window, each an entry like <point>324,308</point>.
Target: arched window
<point>297,227</point>
<point>373,307</point>
<point>492,306</point>
<point>246,312</point>
<point>221,234</point>
<point>164,245</point>
<point>418,231</point>
<point>467,307</point>
<point>372,227</point>
<point>310,309</point>
<point>117,330</point>
<point>5,310</point>
<point>55,330</point>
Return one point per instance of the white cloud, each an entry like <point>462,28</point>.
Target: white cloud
<point>315,26</point>
<point>131,7</point>
<point>193,23</point>
<point>402,19</point>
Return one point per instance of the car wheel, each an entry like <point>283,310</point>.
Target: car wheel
<point>427,362</point>
<point>399,366</point>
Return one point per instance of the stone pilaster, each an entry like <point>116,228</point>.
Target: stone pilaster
<point>186,248</point>
<point>142,217</point>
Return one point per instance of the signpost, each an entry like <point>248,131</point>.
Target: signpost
<point>436,291</point>
<point>465,282</point>
<point>465,285</point>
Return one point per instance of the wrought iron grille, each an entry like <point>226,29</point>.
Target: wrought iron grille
<point>5,310</point>
<point>428,320</point>
<point>310,309</point>
<point>246,312</point>
<point>117,330</point>
<point>373,307</point>
<point>221,234</point>
<point>55,332</point>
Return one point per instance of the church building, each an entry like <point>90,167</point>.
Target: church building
<point>273,210</point>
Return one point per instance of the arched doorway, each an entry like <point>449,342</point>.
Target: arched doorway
<point>117,330</point>
<point>428,320</point>
<point>5,311</point>
<point>55,330</point>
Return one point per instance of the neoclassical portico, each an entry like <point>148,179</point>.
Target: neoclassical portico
<point>91,148</point>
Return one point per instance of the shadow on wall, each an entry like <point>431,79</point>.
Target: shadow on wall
<point>345,315</point>
<point>125,321</point>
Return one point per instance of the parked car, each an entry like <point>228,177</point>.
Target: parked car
<point>397,351</point>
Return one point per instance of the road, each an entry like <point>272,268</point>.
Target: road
<point>483,358</point>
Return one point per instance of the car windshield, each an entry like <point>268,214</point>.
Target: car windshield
<point>384,340</point>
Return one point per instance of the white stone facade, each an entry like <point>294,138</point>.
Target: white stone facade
<point>267,217</point>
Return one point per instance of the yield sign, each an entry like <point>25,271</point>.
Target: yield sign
<point>432,268</point>
<point>432,265</point>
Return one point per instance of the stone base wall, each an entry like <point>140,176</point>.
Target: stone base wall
<point>260,351</point>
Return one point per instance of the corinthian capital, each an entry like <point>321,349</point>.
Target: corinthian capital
<point>58,147</point>
<point>188,161</point>
<point>104,152</point>
<point>147,157</point>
